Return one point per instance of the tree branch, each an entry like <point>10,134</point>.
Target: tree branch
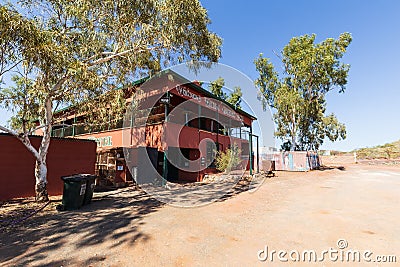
<point>60,83</point>
<point>9,131</point>
<point>23,138</point>
<point>115,54</point>
<point>10,68</point>
<point>35,129</point>
<point>108,58</point>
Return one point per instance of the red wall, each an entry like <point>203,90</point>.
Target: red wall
<point>66,156</point>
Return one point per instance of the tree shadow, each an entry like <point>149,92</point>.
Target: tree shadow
<point>112,219</point>
<point>245,184</point>
<point>200,194</point>
<point>324,168</point>
<point>115,217</point>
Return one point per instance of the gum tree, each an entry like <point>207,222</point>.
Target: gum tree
<point>233,98</point>
<point>60,53</point>
<point>297,96</point>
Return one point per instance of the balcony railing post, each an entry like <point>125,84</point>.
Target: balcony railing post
<point>258,157</point>
<point>62,129</point>
<point>73,126</point>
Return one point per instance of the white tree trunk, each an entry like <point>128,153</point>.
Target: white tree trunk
<point>293,136</point>
<point>41,165</point>
<point>293,144</point>
<point>40,154</point>
<point>41,181</point>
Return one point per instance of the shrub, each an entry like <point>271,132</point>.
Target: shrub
<point>228,160</point>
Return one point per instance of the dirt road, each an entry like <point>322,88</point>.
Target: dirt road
<point>293,212</point>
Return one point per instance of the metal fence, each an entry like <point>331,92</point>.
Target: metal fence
<point>293,160</point>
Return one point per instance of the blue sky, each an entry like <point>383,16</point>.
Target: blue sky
<point>370,105</point>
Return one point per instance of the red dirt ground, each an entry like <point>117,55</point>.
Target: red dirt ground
<point>292,211</point>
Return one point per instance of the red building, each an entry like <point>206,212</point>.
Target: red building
<point>175,130</point>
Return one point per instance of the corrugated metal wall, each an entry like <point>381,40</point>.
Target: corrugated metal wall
<point>293,160</point>
<point>66,156</point>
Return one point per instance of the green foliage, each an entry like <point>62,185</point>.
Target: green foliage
<point>387,151</point>
<point>228,160</point>
<point>298,96</point>
<point>16,36</point>
<point>20,99</point>
<point>108,107</point>
<point>287,146</point>
<point>76,51</point>
<point>216,88</point>
<point>234,98</point>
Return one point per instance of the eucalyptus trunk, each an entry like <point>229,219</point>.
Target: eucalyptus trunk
<point>293,144</point>
<point>41,170</point>
<point>41,181</point>
<point>41,165</point>
<point>293,131</point>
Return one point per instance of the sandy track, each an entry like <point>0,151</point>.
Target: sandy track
<point>294,211</point>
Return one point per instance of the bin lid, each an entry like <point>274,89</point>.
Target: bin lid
<point>77,177</point>
<point>88,176</point>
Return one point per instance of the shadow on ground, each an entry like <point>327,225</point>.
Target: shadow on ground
<point>324,168</point>
<point>114,218</point>
<point>201,194</point>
